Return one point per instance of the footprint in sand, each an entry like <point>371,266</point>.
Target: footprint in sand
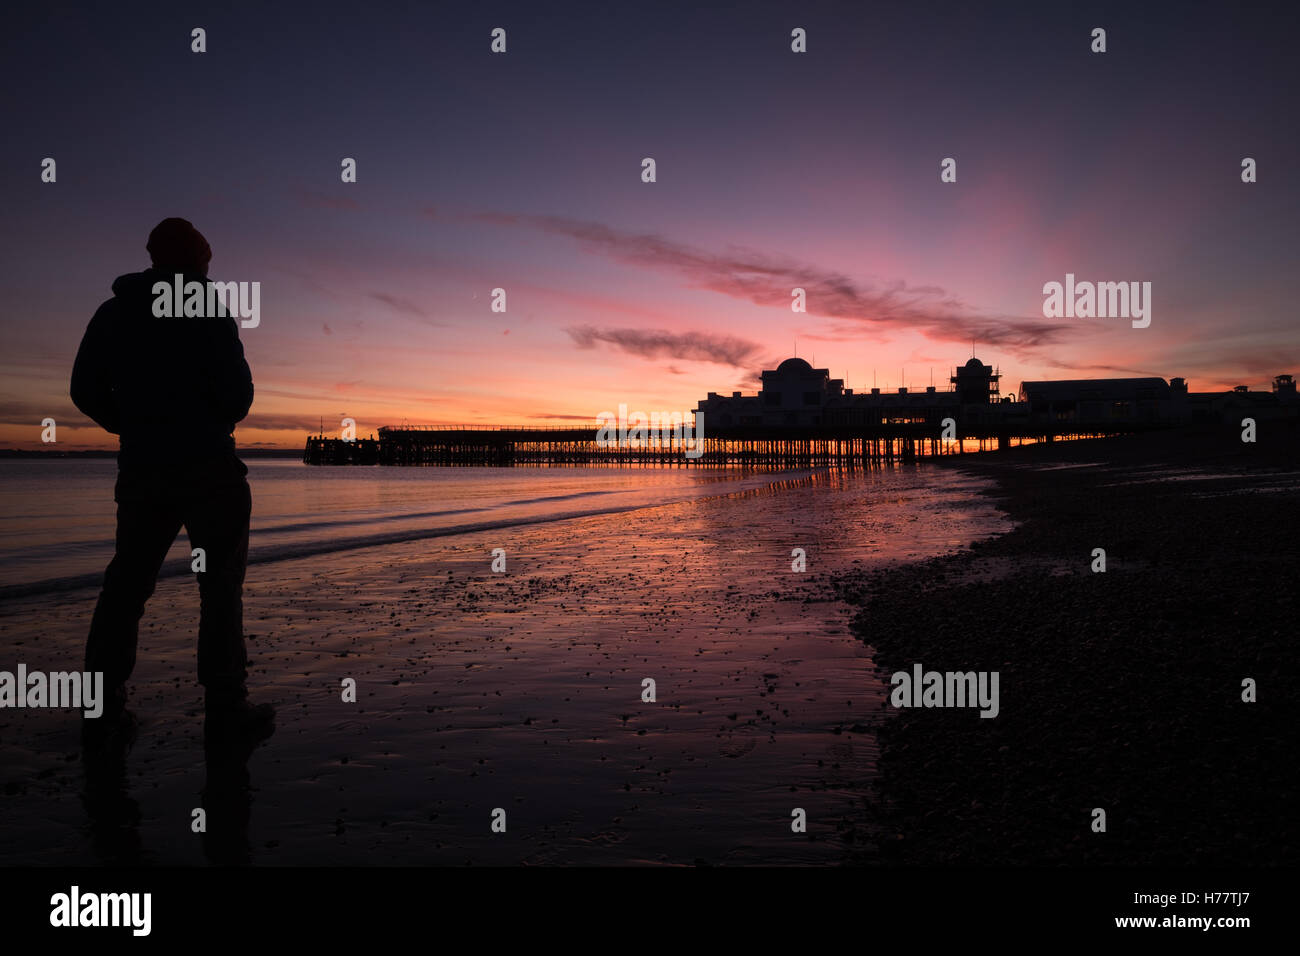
<point>737,748</point>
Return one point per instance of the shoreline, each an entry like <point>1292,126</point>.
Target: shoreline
<point>522,690</point>
<point>481,688</point>
<point>1119,690</point>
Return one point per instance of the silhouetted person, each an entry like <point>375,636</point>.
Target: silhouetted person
<point>173,390</point>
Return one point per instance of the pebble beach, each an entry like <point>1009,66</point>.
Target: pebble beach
<point>1120,690</point>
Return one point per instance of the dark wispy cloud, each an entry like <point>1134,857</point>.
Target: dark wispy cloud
<point>767,280</point>
<point>1118,369</point>
<point>296,423</point>
<point>657,344</point>
<point>312,197</point>
<point>399,304</point>
<point>30,414</point>
<point>1283,358</point>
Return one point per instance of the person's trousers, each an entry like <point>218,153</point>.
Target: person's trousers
<point>151,510</point>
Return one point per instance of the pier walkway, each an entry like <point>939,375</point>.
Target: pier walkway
<point>755,446</point>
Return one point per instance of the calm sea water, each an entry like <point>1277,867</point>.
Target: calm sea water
<point>57,524</point>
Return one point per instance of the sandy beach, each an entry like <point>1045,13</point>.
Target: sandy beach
<point>519,691</point>
<point>522,691</point>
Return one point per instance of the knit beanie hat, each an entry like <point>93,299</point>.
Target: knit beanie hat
<point>176,245</point>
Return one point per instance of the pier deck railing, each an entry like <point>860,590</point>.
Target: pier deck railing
<point>754,446</point>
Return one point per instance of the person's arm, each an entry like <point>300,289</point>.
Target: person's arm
<point>232,383</point>
<point>92,387</point>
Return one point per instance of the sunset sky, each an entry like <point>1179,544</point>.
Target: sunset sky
<point>775,170</point>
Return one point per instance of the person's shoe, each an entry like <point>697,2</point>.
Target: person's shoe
<point>229,717</point>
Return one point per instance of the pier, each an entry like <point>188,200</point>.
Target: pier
<point>803,418</point>
<point>747,446</point>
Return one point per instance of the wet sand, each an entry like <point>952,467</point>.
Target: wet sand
<point>1119,690</point>
<point>519,691</point>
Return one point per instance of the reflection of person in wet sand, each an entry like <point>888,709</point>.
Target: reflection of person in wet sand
<point>173,390</point>
<point>115,815</point>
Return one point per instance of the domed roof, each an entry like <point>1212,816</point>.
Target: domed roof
<point>974,363</point>
<point>793,366</point>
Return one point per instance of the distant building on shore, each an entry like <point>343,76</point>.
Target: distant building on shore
<point>796,394</point>
<point>1100,400</point>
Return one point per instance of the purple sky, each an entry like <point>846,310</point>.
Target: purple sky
<point>774,170</point>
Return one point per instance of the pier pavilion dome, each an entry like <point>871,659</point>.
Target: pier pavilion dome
<point>794,366</point>
<point>794,393</point>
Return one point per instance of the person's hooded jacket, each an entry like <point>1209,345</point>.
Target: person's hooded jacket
<point>172,389</point>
